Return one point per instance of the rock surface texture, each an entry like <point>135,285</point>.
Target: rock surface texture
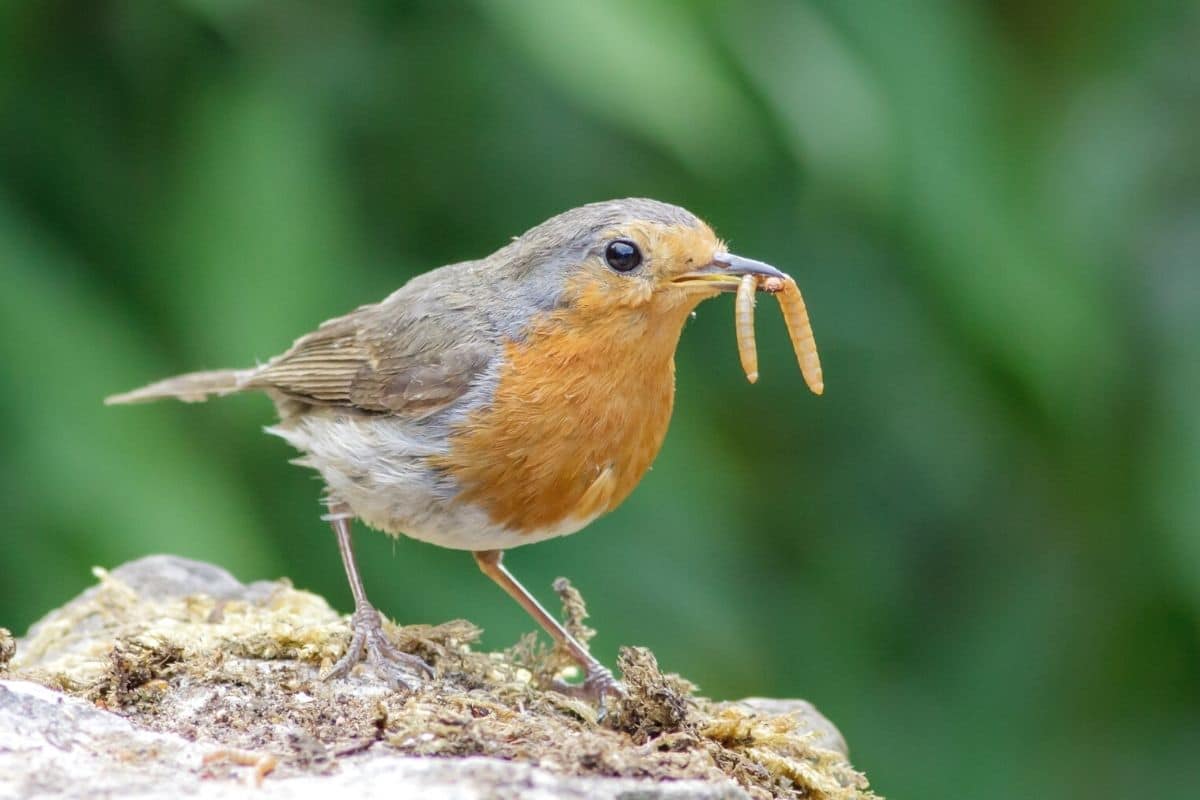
<point>172,678</point>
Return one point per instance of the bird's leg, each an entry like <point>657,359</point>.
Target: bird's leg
<point>598,679</point>
<point>369,643</point>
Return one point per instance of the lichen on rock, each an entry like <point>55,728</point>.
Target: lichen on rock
<point>181,647</point>
<point>8,648</point>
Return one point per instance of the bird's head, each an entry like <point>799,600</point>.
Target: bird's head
<point>636,260</point>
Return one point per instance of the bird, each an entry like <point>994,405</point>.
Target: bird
<point>494,403</point>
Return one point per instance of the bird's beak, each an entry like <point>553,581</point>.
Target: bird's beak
<point>724,273</point>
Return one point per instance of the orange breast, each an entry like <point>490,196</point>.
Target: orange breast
<point>580,412</point>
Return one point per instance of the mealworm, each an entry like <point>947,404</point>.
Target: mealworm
<point>795,315</point>
<point>743,325</point>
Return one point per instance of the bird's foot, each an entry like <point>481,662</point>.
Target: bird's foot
<point>370,644</point>
<point>598,685</point>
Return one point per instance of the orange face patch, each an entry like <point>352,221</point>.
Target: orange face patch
<point>669,250</point>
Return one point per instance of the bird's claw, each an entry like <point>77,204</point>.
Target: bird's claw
<point>598,685</point>
<point>370,644</point>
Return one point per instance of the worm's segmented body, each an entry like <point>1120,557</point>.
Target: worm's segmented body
<point>795,315</point>
<point>743,323</point>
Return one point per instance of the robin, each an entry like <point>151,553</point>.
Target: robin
<point>494,403</point>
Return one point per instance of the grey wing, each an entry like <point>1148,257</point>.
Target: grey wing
<point>409,358</point>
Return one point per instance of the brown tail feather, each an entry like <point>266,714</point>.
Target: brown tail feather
<point>190,388</point>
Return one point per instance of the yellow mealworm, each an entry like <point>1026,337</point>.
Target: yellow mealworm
<point>743,325</point>
<point>791,302</point>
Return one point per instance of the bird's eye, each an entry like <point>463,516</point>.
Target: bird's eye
<point>622,255</point>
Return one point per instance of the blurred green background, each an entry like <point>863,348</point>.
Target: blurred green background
<point>979,552</point>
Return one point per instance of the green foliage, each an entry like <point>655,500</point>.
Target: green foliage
<point>980,549</point>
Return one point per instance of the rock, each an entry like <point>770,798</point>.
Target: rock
<point>57,746</point>
<point>161,577</point>
<point>173,677</point>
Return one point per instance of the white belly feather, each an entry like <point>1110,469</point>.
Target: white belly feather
<point>376,466</point>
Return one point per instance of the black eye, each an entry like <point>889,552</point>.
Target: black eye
<point>622,255</point>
